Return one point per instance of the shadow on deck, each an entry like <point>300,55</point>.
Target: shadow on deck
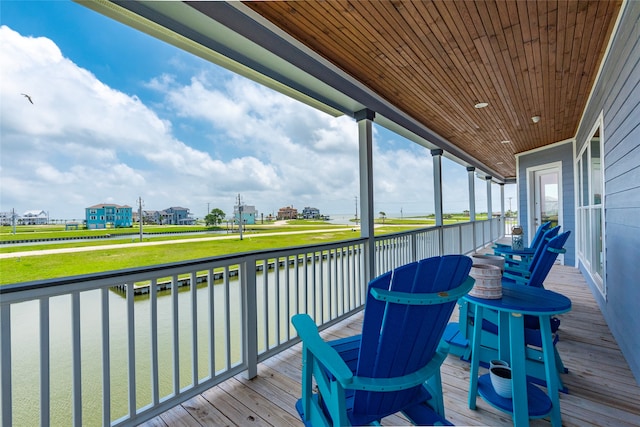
<point>602,390</point>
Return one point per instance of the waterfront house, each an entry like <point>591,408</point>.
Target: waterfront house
<point>177,216</point>
<point>174,215</point>
<point>108,216</point>
<point>6,218</point>
<point>246,213</point>
<point>148,216</point>
<point>34,217</point>
<point>287,212</point>
<point>310,213</point>
<point>543,94</point>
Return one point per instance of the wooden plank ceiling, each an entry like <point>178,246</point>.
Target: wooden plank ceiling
<point>436,59</point>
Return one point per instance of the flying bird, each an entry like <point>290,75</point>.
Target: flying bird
<point>28,97</point>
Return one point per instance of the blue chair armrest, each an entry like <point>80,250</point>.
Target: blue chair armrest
<point>406,381</point>
<point>520,279</point>
<point>323,352</point>
<point>519,252</point>
<point>514,270</point>
<point>500,245</point>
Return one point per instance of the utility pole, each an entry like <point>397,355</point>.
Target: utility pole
<point>140,215</point>
<point>208,210</point>
<point>240,216</point>
<point>510,203</point>
<point>13,220</point>
<point>356,210</point>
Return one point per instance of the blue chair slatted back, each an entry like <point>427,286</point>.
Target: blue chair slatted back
<point>538,237</point>
<point>398,339</point>
<point>541,268</point>
<point>544,241</point>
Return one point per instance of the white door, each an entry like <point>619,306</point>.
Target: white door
<point>546,198</point>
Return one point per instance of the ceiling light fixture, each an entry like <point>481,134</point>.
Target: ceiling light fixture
<point>481,104</point>
<point>535,119</point>
<point>506,142</point>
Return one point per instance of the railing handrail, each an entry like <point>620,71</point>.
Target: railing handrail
<point>330,287</point>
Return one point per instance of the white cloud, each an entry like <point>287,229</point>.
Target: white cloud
<point>83,142</point>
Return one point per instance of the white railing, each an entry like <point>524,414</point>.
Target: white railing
<point>509,223</point>
<point>131,344</point>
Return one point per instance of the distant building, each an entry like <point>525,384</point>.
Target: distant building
<point>108,215</point>
<point>249,214</point>
<point>34,218</point>
<point>28,218</point>
<point>176,216</point>
<point>288,212</point>
<point>310,213</point>
<point>172,216</point>
<point>149,217</point>
<point>7,218</point>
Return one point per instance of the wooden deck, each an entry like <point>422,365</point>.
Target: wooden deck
<point>602,390</point>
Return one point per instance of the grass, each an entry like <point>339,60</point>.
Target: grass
<point>56,231</point>
<point>29,232</point>
<point>42,267</point>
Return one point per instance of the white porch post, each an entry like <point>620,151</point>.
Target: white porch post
<point>5,365</point>
<point>365,142</point>
<point>489,204</point>
<point>437,194</point>
<point>472,202</point>
<point>248,285</point>
<point>472,192</point>
<point>502,213</point>
<point>437,184</point>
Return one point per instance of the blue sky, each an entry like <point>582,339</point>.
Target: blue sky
<point>118,115</point>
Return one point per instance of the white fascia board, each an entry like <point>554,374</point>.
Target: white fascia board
<point>545,147</point>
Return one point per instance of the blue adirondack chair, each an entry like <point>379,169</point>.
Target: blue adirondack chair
<point>394,365</point>
<point>541,264</point>
<point>458,334</point>
<point>521,270</point>
<point>537,238</point>
<point>523,259</point>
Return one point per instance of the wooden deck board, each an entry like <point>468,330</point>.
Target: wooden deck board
<point>602,390</point>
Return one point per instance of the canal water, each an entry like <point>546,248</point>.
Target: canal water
<point>25,342</point>
<point>25,347</point>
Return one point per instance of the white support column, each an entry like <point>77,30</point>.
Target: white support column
<point>502,213</point>
<point>6,405</point>
<point>437,184</point>
<point>472,192</point>
<point>365,143</point>
<point>489,204</point>
<point>437,195</point>
<point>471,174</point>
<point>250,316</point>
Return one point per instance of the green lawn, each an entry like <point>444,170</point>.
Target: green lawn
<point>30,232</point>
<point>41,267</point>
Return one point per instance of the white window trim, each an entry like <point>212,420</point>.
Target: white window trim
<point>599,123</point>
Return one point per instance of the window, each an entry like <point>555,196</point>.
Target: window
<point>591,206</point>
